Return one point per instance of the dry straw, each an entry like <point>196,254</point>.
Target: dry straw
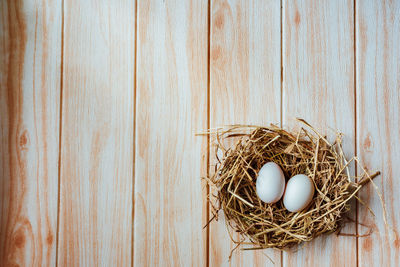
<point>307,152</point>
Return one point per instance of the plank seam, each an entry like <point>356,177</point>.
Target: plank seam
<point>134,140</point>
<point>60,130</point>
<point>355,115</point>
<point>208,127</point>
<point>281,110</point>
<point>281,102</point>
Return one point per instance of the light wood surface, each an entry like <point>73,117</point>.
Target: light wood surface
<point>100,101</point>
<point>30,46</point>
<point>318,85</point>
<point>95,214</point>
<point>170,209</point>
<point>244,88</point>
<point>378,126</point>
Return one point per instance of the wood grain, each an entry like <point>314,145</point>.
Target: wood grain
<point>112,152</point>
<point>378,127</point>
<point>170,208</point>
<point>95,223</point>
<point>318,85</point>
<point>245,88</point>
<point>30,35</point>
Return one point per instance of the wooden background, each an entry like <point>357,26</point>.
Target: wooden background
<point>100,101</point>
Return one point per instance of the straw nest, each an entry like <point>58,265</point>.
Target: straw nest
<point>305,152</point>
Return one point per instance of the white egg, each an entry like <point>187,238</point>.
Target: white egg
<point>299,193</point>
<point>270,183</point>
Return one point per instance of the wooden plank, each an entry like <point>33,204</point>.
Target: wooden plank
<point>245,88</point>
<point>95,227</point>
<point>318,85</point>
<point>30,45</point>
<point>378,128</point>
<point>170,208</point>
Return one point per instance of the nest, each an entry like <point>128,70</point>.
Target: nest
<point>305,152</point>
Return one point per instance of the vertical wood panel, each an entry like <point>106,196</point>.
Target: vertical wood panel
<point>95,227</point>
<point>30,34</point>
<point>378,127</point>
<point>245,88</point>
<point>318,85</point>
<point>171,107</point>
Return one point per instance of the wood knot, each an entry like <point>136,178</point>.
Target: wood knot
<point>22,232</point>
<point>367,244</point>
<point>367,144</point>
<point>23,140</point>
<point>222,18</point>
<point>396,241</point>
<point>224,37</point>
<point>19,239</point>
<point>219,20</point>
<point>49,238</point>
<point>297,18</point>
<point>216,53</point>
